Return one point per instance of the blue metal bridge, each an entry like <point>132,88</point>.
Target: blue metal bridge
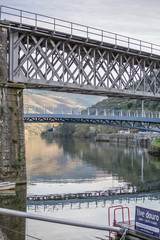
<point>141,120</point>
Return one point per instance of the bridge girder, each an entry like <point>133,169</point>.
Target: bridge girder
<point>59,62</point>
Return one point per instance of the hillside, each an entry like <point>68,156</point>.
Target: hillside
<point>56,99</point>
<point>44,99</point>
<point>127,104</point>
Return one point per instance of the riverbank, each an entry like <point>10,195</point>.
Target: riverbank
<point>154,148</point>
<point>144,138</point>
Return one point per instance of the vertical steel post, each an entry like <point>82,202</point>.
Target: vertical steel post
<point>140,45</point>
<point>54,25</point>
<point>151,48</point>
<point>142,108</point>
<point>115,39</point>
<point>87,32</point>
<point>71,29</point>
<point>102,36</point>
<point>0,12</point>
<point>128,43</point>
<point>20,17</point>
<point>35,21</point>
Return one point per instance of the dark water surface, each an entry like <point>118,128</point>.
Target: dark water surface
<point>77,166</point>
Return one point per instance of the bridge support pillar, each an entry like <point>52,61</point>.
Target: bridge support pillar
<point>12,146</point>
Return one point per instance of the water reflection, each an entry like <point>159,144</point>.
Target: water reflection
<point>14,226</point>
<point>73,165</point>
<point>90,210</point>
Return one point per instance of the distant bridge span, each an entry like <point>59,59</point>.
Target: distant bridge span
<point>52,54</point>
<point>141,120</point>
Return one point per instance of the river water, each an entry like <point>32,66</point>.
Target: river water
<point>61,166</point>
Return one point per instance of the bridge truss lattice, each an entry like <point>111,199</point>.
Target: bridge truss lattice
<point>80,59</point>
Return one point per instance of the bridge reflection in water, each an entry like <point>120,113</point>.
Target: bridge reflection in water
<point>50,205</point>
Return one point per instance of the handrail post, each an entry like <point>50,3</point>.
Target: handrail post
<point>140,45</point>
<point>88,112</point>
<point>20,17</point>
<point>128,43</point>
<point>102,36</point>
<point>35,21</point>
<point>115,39</point>
<point>0,11</point>
<point>151,48</point>
<point>136,113</point>
<point>54,25</point>
<point>87,32</point>
<point>71,29</point>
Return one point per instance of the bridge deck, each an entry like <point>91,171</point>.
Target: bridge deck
<point>140,123</point>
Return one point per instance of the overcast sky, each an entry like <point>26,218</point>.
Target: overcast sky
<point>134,18</point>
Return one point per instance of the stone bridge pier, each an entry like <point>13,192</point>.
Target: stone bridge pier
<point>12,143</point>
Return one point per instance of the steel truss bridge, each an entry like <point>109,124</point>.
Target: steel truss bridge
<point>141,120</point>
<point>52,54</point>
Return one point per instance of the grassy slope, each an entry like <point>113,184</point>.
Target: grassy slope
<point>41,100</point>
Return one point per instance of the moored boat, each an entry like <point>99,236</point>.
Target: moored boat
<point>7,186</point>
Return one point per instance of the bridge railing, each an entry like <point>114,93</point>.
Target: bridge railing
<point>59,26</point>
<point>91,111</point>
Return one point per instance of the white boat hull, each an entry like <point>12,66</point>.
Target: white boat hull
<point>7,186</point>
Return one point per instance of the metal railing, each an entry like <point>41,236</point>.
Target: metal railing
<point>92,111</point>
<point>73,29</point>
<point>60,221</point>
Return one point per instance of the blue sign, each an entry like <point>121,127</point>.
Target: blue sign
<point>147,221</point>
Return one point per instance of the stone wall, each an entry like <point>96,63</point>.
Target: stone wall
<point>3,55</point>
<point>12,147</point>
